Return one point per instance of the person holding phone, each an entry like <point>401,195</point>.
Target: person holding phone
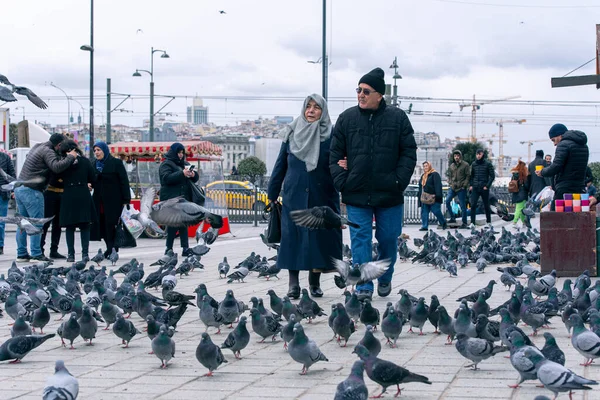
<point>174,173</point>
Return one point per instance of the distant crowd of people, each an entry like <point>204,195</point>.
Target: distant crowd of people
<point>65,178</point>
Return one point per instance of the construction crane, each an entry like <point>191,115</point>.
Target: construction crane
<point>529,144</point>
<point>501,140</point>
<point>475,105</point>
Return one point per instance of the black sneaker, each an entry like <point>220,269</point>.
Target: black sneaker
<point>71,258</point>
<point>423,230</point>
<point>464,226</point>
<point>1,250</point>
<point>24,258</point>
<point>187,252</point>
<point>56,255</point>
<point>452,220</point>
<point>41,258</point>
<point>384,289</point>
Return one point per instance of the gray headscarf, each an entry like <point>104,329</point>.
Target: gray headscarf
<point>305,138</point>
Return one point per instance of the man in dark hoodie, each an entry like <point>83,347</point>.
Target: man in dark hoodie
<point>459,174</point>
<point>570,161</point>
<point>482,176</point>
<point>537,182</point>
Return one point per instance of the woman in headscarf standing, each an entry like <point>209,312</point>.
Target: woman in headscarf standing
<point>111,193</point>
<point>301,175</point>
<point>431,183</point>
<point>76,206</point>
<point>174,182</point>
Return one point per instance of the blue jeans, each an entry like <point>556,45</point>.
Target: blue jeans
<point>30,203</point>
<point>388,228</point>
<point>436,209</point>
<point>3,213</point>
<point>462,199</point>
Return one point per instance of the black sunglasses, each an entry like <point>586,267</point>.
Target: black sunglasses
<point>365,91</point>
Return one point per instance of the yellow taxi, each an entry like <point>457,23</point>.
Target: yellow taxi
<point>235,195</point>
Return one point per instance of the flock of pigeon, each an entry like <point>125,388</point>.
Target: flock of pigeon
<point>89,294</point>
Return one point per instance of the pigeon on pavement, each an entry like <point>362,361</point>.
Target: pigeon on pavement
<point>386,373</point>
<point>304,350</point>
<point>343,326</point>
<point>475,349</point>
<point>238,339</point>
<point>353,387</point>
<point>88,325</point>
<point>209,354</point>
<point>586,342</point>
<point>391,326</point>
<point>124,329</point>
<point>61,385</point>
<point>18,347</point>
<point>223,268</point>
<point>555,377</point>
<point>551,350</point>
<point>309,307</point>
<point>20,327</point>
<point>163,347</point>
<point>229,309</point>
<point>69,330</point>
<point>371,342</point>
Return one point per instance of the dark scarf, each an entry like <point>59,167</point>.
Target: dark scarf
<point>172,154</point>
<point>100,163</point>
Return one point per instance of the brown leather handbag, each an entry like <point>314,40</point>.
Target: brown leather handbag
<point>427,198</point>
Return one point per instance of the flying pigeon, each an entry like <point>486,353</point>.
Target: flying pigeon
<point>27,224</point>
<point>320,218</point>
<point>15,183</point>
<point>21,90</point>
<point>360,273</point>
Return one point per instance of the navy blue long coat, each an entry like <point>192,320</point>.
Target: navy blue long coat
<point>301,248</point>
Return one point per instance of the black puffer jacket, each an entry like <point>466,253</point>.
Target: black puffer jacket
<point>570,163</point>
<point>381,152</point>
<point>482,174</point>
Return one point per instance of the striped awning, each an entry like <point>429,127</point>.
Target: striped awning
<point>193,149</point>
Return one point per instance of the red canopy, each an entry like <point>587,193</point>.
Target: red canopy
<point>194,150</point>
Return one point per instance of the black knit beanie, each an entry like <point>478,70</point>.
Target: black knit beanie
<point>539,153</point>
<point>557,130</point>
<point>375,80</point>
<point>56,138</point>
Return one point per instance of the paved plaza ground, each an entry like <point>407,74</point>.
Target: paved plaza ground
<point>108,371</point>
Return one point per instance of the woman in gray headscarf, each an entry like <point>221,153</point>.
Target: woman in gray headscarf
<point>302,169</point>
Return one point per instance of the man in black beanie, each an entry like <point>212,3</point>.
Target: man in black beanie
<point>537,182</point>
<point>41,160</point>
<point>570,161</point>
<point>373,155</point>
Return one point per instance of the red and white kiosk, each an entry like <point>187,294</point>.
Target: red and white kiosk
<point>142,160</point>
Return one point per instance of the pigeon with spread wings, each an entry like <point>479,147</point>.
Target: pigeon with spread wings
<point>176,212</point>
<point>26,224</point>
<point>320,218</point>
<point>6,93</point>
<point>357,274</point>
<point>14,182</point>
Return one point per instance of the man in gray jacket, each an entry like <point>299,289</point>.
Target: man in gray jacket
<point>459,174</point>
<point>41,160</point>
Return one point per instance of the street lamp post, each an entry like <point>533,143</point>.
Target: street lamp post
<point>68,106</point>
<point>90,48</point>
<point>151,72</point>
<point>396,76</point>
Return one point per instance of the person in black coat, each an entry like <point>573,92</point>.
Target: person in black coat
<point>570,161</point>
<point>431,183</point>
<point>302,170</point>
<point>537,182</point>
<point>373,156</point>
<point>111,193</point>
<point>76,207</point>
<point>175,181</point>
<point>482,176</point>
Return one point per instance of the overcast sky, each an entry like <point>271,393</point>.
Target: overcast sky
<point>445,49</point>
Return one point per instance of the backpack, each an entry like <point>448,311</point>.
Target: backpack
<point>513,186</point>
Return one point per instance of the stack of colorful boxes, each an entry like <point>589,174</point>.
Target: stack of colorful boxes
<point>573,202</point>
